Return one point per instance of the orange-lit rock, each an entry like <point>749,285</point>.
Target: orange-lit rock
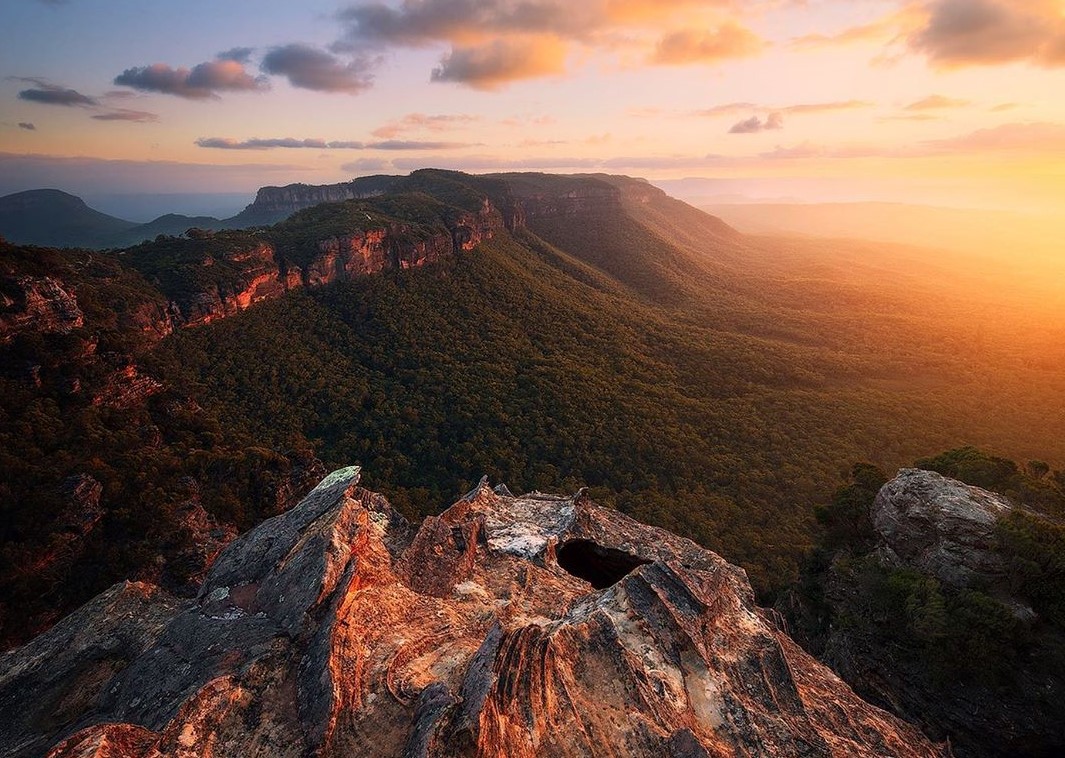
<point>37,304</point>
<point>508,626</point>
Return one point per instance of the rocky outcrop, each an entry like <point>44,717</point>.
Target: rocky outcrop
<point>940,527</point>
<point>38,305</point>
<point>537,625</point>
<point>261,271</point>
<point>80,514</point>
<point>126,387</point>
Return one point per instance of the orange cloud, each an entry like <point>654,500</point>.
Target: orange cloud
<point>422,122</point>
<point>487,37</point>
<point>1028,138</point>
<point>502,61</point>
<point>982,32</point>
<point>800,109</point>
<point>885,29</point>
<point>936,102</point>
<point>730,40</point>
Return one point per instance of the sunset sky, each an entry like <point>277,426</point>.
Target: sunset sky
<point>953,102</point>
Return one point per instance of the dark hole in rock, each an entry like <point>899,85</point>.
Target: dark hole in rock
<point>601,566</point>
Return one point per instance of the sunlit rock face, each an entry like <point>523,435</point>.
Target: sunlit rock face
<point>538,625</point>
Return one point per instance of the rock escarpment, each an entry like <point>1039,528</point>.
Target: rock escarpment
<point>213,275</point>
<point>272,204</point>
<point>520,626</point>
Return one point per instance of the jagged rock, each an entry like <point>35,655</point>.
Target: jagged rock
<point>940,526</point>
<point>337,629</point>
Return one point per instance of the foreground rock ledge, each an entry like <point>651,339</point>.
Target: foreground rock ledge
<point>510,626</point>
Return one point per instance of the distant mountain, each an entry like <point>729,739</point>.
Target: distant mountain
<point>172,224</point>
<point>57,219</point>
<point>54,218</point>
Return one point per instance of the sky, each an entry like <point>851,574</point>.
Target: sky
<point>950,102</point>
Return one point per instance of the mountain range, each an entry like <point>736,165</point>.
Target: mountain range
<point>553,332</point>
<point>55,218</point>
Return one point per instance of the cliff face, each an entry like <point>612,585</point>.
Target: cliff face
<point>263,270</point>
<point>520,626</point>
<point>272,204</point>
<point>35,304</point>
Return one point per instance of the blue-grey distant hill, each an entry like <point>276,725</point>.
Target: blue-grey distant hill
<point>53,218</point>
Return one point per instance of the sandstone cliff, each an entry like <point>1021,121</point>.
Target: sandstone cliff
<point>40,305</point>
<point>537,625</point>
<point>273,204</point>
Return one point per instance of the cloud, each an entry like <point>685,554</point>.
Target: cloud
<point>504,60</point>
<point>363,165</point>
<point>489,37</point>
<point>730,40</point>
<point>936,103</point>
<point>903,20</point>
<point>415,145</point>
<point>227,143</point>
<point>310,68</point>
<point>841,105</point>
<point>52,94</point>
<point>728,109</point>
<point>127,114</point>
<point>421,121</point>
<point>871,32</point>
<point>733,109</point>
<point>28,126</point>
<point>1038,137</point>
<point>238,54</point>
<point>496,163</point>
<point>416,24</point>
<point>203,81</point>
<point>982,32</point>
<point>1001,107</point>
<point>912,117</point>
<point>754,124</point>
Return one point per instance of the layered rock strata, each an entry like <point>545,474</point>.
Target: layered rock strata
<point>537,625</point>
